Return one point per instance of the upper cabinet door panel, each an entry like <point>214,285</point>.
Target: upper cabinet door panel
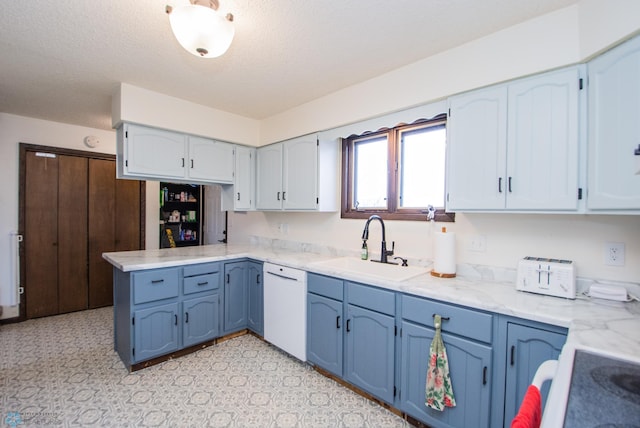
<point>244,178</point>
<point>154,152</point>
<point>269,177</point>
<point>477,138</point>
<point>210,160</point>
<point>614,129</point>
<point>300,173</point>
<point>542,150</point>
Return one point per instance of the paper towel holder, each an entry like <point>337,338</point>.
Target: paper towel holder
<point>441,274</point>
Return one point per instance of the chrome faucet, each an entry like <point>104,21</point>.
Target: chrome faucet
<point>384,252</point>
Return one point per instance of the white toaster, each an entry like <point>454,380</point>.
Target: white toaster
<point>553,277</point>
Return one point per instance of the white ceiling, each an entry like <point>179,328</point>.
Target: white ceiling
<point>61,60</point>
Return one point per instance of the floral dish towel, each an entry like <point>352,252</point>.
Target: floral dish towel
<point>439,392</point>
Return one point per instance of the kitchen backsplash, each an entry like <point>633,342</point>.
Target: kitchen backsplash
<point>463,270</point>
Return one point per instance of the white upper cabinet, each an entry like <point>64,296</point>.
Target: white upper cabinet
<point>148,152</point>
<point>477,142</point>
<point>299,175</point>
<point>210,161</point>
<point>241,196</point>
<point>516,146</point>
<point>155,154</point>
<point>269,177</point>
<point>543,142</point>
<point>614,129</point>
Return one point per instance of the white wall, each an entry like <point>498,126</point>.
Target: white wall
<point>540,44</point>
<point>133,104</point>
<point>564,37</point>
<point>18,129</point>
<point>509,237</point>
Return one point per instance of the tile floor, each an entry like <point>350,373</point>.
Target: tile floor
<point>62,371</point>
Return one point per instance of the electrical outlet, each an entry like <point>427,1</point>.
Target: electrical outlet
<point>614,253</point>
<point>478,243</point>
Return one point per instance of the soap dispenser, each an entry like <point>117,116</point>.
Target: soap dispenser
<point>364,253</point>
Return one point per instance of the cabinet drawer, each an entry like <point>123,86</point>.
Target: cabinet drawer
<point>195,284</point>
<point>155,284</point>
<point>201,269</point>
<point>462,321</point>
<point>325,286</point>
<point>373,298</point>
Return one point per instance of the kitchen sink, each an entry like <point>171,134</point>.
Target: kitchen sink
<point>367,268</point>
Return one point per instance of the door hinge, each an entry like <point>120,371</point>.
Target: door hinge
<point>581,83</point>
<point>579,193</point>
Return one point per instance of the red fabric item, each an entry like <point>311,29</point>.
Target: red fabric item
<point>530,413</point>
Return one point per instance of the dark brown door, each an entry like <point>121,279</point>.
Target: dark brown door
<point>72,234</point>
<point>72,209</point>
<point>41,234</point>
<point>102,213</point>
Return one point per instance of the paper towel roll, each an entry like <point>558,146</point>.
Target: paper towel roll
<point>444,254</point>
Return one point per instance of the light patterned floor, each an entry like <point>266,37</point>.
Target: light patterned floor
<point>62,371</point>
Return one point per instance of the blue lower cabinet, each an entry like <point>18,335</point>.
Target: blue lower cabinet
<point>528,346</point>
<point>155,331</point>
<point>235,297</point>
<point>324,333</point>
<point>200,319</point>
<point>255,314</point>
<point>470,372</point>
<point>370,350</point>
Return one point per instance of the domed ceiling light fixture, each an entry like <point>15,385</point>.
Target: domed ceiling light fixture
<point>201,29</point>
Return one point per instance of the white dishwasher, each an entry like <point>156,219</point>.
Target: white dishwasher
<point>285,309</point>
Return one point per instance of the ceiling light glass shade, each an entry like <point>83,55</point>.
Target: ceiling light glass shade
<point>201,30</point>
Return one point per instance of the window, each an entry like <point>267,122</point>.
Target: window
<point>397,173</point>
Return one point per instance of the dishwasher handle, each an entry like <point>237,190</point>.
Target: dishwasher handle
<point>282,276</point>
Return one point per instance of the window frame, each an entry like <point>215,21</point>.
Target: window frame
<point>393,211</point>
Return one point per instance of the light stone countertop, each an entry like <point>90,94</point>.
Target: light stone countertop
<point>609,326</point>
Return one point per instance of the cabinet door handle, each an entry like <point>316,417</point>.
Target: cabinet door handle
<point>499,184</point>
<point>441,317</point>
<point>278,195</point>
<point>157,281</point>
<point>484,375</point>
<point>338,321</point>
<point>258,279</point>
<point>186,317</point>
<point>228,278</point>
<point>348,326</point>
<point>176,319</point>
<point>203,283</point>
<point>513,352</point>
<point>509,185</point>
<point>284,196</point>
<point>238,195</point>
<point>183,162</point>
<point>191,163</point>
